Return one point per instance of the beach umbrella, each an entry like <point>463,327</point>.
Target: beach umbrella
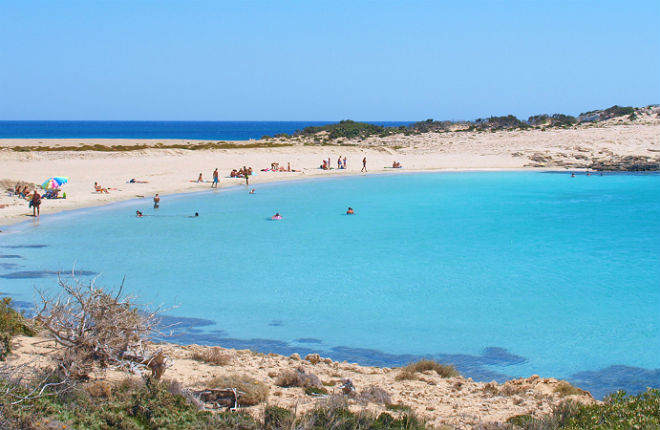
<point>52,183</point>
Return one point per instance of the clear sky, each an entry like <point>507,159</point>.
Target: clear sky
<point>324,60</point>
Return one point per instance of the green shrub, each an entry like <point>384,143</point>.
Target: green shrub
<point>277,418</point>
<point>12,323</point>
<point>314,391</point>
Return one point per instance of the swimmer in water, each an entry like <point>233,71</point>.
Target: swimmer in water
<point>572,175</point>
<point>350,211</point>
<point>138,214</point>
<point>252,191</point>
<point>276,216</point>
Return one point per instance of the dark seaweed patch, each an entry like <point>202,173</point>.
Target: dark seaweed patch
<point>276,323</point>
<point>308,340</point>
<point>37,274</point>
<point>10,256</point>
<point>604,381</point>
<point>23,246</point>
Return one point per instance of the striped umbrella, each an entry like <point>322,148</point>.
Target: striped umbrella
<point>56,182</point>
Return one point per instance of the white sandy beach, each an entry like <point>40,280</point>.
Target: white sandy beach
<point>170,171</point>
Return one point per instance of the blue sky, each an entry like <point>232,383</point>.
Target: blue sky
<point>324,60</point>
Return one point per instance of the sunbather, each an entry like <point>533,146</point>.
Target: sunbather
<point>100,189</point>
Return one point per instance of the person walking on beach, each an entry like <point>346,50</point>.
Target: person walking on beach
<point>215,178</point>
<point>364,165</point>
<point>156,201</point>
<point>35,203</point>
<point>344,162</point>
<point>339,162</point>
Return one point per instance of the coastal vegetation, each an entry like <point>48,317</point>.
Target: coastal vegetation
<point>347,129</point>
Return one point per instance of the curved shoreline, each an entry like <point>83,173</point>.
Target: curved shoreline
<point>17,220</point>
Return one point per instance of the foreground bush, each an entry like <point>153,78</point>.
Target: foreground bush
<point>618,411</point>
<point>12,323</point>
<point>152,404</point>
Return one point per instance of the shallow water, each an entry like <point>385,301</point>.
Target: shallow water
<point>503,274</point>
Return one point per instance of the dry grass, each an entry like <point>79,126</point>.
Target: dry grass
<point>298,378</point>
<point>254,392</point>
<point>124,148</point>
<point>410,371</point>
<point>214,355</point>
<point>9,184</point>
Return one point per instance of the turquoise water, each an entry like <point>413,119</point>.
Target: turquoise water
<point>503,274</point>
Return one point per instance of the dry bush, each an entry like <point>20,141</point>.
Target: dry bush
<point>99,328</point>
<point>410,371</point>
<point>491,388</point>
<point>214,355</point>
<point>252,392</point>
<point>98,389</point>
<point>566,389</point>
<point>375,394</point>
<point>298,378</point>
<point>509,389</point>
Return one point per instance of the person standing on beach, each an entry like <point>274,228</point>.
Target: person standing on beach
<point>364,165</point>
<point>156,201</point>
<point>35,202</point>
<point>344,162</point>
<point>339,162</point>
<point>215,178</point>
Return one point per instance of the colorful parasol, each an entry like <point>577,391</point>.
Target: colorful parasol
<point>53,183</point>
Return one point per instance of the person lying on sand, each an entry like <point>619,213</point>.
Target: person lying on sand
<point>135,181</point>
<point>100,189</point>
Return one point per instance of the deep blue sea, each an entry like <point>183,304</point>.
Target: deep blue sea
<point>502,274</point>
<point>193,130</point>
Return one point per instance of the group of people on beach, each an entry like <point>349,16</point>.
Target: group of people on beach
<point>341,163</point>
<point>275,167</point>
<point>22,191</point>
<point>241,173</point>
